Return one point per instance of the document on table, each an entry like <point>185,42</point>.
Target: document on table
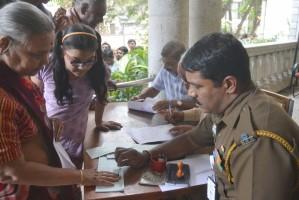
<point>151,134</point>
<point>108,148</point>
<point>200,169</point>
<point>103,150</point>
<point>109,165</point>
<point>145,106</point>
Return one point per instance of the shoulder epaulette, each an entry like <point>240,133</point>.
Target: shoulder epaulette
<point>260,133</point>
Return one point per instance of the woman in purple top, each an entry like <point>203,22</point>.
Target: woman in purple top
<point>75,72</point>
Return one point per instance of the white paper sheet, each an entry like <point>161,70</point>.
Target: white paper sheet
<point>65,159</point>
<point>101,151</point>
<point>111,166</point>
<point>110,147</point>
<point>200,169</point>
<point>151,134</point>
<point>146,105</point>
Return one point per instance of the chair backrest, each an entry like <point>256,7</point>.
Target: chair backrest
<point>286,102</point>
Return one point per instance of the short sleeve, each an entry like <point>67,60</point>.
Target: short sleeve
<point>38,75</point>
<point>202,134</point>
<point>158,83</point>
<point>15,126</point>
<point>45,71</point>
<point>193,114</point>
<point>263,170</point>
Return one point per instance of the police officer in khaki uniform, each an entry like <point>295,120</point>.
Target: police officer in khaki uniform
<point>254,141</point>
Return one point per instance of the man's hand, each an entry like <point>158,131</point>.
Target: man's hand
<point>60,19</point>
<point>130,157</point>
<point>137,98</point>
<point>161,105</point>
<point>109,125</point>
<point>181,129</point>
<point>172,116</point>
<point>111,85</point>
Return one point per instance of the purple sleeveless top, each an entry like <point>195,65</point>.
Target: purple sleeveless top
<point>74,116</point>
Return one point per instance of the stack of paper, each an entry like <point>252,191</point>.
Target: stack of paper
<point>151,134</point>
<point>145,105</point>
<point>111,166</point>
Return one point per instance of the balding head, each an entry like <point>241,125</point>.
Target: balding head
<point>173,49</point>
<point>171,54</point>
<point>91,12</point>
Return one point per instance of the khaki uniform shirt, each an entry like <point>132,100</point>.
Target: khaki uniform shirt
<point>194,114</point>
<point>261,169</point>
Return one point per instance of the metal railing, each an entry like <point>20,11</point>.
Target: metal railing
<point>134,83</point>
<point>270,65</point>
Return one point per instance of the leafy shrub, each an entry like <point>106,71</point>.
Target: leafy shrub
<point>136,68</point>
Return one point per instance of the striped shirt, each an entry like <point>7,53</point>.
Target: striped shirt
<point>172,85</point>
<point>16,126</point>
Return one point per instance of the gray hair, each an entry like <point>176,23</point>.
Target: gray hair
<point>20,20</point>
<point>173,49</point>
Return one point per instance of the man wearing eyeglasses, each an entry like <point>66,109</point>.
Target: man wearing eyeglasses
<point>169,81</point>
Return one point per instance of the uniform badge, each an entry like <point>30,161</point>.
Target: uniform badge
<point>246,139</point>
<point>222,149</point>
<point>218,160</point>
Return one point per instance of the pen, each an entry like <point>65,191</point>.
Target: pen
<point>169,108</point>
<point>106,154</point>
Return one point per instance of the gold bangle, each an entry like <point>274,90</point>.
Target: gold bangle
<point>81,177</point>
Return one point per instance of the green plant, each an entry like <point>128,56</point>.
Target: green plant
<point>136,68</point>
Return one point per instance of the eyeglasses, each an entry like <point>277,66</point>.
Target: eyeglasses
<point>77,63</point>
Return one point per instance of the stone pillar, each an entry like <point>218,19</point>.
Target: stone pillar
<point>168,20</point>
<point>204,17</point>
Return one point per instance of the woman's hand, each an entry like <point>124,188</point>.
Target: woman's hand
<point>102,178</point>
<point>108,125</point>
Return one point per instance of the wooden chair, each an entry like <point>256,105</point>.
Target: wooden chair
<point>295,70</point>
<point>294,78</point>
<point>286,102</point>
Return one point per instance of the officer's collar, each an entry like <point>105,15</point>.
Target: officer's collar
<point>231,113</point>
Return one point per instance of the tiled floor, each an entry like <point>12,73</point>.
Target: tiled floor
<point>287,92</point>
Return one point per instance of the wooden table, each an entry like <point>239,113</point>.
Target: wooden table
<point>119,112</point>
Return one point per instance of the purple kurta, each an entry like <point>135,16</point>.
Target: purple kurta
<point>74,116</point>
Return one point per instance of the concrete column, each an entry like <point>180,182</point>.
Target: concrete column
<point>168,20</point>
<point>204,17</point>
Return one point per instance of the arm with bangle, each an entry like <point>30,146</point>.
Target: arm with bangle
<point>24,172</point>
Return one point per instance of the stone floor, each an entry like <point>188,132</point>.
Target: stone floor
<point>287,92</point>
